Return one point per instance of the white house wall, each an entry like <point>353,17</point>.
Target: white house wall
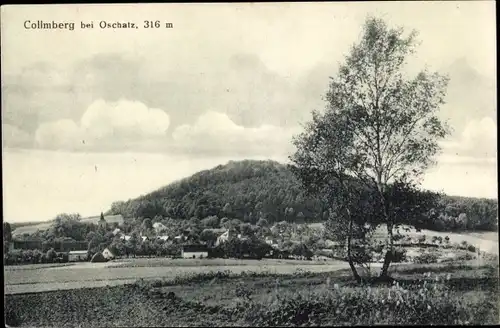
<point>189,255</point>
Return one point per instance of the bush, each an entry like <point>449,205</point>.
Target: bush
<point>11,317</point>
<point>183,279</point>
<point>471,248</point>
<point>465,257</point>
<point>98,257</point>
<point>51,255</point>
<point>426,258</point>
<point>399,255</point>
<point>420,303</point>
<point>422,238</point>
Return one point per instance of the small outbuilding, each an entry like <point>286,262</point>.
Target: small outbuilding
<point>194,251</point>
<point>108,254</point>
<point>75,256</point>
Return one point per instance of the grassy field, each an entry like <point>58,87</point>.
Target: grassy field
<point>31,228</point>
<point>463,295</point>
<point>22,279</point>
<point>167,262</point>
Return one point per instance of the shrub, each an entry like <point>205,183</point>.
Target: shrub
<point>465,257</point>
<point>419,303</point>
<point>11,317</point>
<point>51,255</point>
<point>426,258</point>
<point>98,257</point>
<point>471,248</point>
<point>243,292</point>
<point>399,255</point>
<point>398,237</point>
<point>422,238</point>
<point>183,279</point>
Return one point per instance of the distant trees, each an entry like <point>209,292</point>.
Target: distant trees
<point>246,229</point>
<point>210,222</point>
<point>51,255</point>
<point>147,225</point>
<point>7,232</point>
<point>251,190</point>
<point>249,248</point>
<point>7,236</point>
<point>68,225</point>
<point>262,222</point>
<point>208,236</point>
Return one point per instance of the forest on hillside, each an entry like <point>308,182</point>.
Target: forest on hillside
<point>249,190</point>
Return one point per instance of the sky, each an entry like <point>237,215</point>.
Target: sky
<point>93,116</point>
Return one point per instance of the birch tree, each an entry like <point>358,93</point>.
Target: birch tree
<point>380,126</point>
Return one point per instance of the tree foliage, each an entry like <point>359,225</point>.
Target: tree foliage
<point>380,128</point>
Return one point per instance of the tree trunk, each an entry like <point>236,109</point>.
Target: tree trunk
<point>349,254</point>
<point>390,225</point>
<point>389,254</point>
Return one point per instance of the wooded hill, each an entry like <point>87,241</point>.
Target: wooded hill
<point>249,190</point>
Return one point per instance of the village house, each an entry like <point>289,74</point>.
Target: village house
<point>75,256</point>
<point>271,241</point>
<point>108,254</point>
<point>180,238</point>
<point>194,251</point>
<point>159,227</point>
<point>226,236</point>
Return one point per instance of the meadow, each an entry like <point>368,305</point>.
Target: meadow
<point>420,294</point>
<point>25,279</point>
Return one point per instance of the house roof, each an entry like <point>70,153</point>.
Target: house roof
<point>216,230</point>
<point>78,252</point>
<point>107,249</point>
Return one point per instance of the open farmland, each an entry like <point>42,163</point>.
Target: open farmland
<point>20,280</point>
<point>30,229</point>
<point>322,298</point>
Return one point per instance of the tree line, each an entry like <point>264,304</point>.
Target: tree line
<point>252,190</point>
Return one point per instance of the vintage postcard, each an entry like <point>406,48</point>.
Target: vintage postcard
<point>254,164</point>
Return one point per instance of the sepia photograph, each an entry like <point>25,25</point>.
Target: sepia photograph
<point>250,164</point>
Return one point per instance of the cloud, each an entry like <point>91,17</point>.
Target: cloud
<point>216,133</point>
<point>14,137</point>
<point>61,134</point>
<point>105,125</point>
<point>477,143</point>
